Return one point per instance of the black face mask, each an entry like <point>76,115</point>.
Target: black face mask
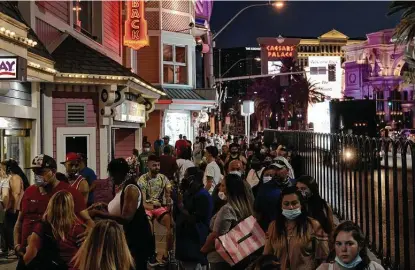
<point>234,153</point>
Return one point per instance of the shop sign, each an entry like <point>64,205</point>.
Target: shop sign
<point>8,68</point>
<point>135,26</point>
<point>280,51</point>
<point>130,111</point>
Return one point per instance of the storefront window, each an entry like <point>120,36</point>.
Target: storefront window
<point>15,145</point>
<point>174,64</point>
<point>176,123</point>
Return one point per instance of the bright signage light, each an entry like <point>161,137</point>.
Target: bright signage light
<point>326,73</point>
<point>274,67</point>
<point>280,51</point>
<point>135,26</point>
<point>319,115</point>
<point>8,67</point>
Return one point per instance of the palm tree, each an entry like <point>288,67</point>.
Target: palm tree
<point>271,96</point>
<point>405,30</point>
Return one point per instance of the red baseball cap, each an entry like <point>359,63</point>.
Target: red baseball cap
<point>71,156</point>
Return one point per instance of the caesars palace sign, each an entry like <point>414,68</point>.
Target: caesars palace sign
<point>280,51</point>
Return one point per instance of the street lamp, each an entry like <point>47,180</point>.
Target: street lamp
<point>221,93</point>
<point>277,5</point>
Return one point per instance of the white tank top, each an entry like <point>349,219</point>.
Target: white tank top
<point>114,206</point>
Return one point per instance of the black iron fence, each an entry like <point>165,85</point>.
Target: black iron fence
<point>367,180</point>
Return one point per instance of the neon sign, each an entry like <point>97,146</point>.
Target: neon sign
<point>135,26</point>
<point>280,51</point>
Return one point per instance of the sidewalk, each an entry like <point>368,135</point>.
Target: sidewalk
<point>6,264</point>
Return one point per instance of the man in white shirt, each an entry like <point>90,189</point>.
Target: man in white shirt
<point>212,175</point>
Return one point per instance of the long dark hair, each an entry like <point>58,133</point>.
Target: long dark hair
<point>237,196</point>
<point>349,226</point>
<point>13,167</point>
<point>120,168</point>
<point>317,207</point>
<point>302,221</point>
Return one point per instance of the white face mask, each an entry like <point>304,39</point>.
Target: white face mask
<point>266,179</point>
<point>222,196</point>
<point>146,149</point>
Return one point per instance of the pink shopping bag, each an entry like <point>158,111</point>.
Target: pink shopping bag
<point>240,242</point>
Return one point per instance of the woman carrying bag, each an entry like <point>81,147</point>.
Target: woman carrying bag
<point>237,210</point>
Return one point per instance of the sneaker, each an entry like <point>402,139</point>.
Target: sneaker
<point>152,262</point>
<point>11,254</point>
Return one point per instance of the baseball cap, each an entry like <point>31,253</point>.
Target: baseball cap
<point>281,162</point>
<point>42,162</point>
<point>71,156</point>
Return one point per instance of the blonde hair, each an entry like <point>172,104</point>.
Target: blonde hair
<point>105,248</point>
<point>60,214</point>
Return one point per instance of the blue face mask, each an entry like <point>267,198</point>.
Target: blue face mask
<point>351,264</point>
<point>40,181</point>
<point>291,213</point>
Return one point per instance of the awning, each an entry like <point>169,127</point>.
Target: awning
<point>184,98</point>
<point>80,64</point>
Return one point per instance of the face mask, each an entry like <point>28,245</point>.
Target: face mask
<point>222,196</point>
<point>238,173</point>
<point>266,179</point>
<point>262,151</point>
<point>291,213</point>
<point>204,159</point>
<point>351,264</point>
<point>40,181</point>
<point>146,149</point>
<point>234,153</point>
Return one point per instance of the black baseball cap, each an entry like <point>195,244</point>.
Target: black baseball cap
<point>43,162</point>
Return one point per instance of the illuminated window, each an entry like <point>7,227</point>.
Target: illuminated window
<point>175,64</point>
<point>87,18</point>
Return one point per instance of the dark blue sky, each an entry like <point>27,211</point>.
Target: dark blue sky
<point>302,19</point>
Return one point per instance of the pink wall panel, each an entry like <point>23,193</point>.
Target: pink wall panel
<point>46,32</point>
<point>124,142</point>
<point>112,25</point>
<point>59,9</point>
<point>59,114</point>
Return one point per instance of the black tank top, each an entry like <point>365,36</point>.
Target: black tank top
<point>138,233</point>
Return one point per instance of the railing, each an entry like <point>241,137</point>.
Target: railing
<point>367,180</point>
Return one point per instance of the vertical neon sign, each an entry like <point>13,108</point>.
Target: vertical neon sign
<point>135,26</point>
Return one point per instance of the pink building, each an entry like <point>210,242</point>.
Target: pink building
<point>374,69</point>
<point>95,104</point>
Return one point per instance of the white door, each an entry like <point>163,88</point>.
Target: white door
<point>78,140</point>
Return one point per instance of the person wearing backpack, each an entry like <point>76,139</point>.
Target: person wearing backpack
<point>54,241</point>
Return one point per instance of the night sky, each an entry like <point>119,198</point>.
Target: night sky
<point>300,19</point>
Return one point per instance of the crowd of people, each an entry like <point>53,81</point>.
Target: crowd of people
<point>198,192</point>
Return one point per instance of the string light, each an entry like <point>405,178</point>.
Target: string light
<point>12,35</point>
<point>115,78</point>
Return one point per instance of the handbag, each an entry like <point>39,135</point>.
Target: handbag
<point>241,241</point>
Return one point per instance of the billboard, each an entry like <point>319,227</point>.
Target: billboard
<point>326,73</point>
<point>274,67</point>
<point>319,115</point>
<point>8,67</point>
